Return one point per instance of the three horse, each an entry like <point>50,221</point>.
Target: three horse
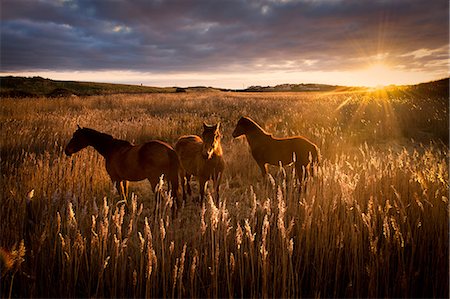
<point>193,156</point>
<point>126,162</point>
<point>201,157</point>
<point>267,149</point>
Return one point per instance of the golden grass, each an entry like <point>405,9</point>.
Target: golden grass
<point>372,223</point>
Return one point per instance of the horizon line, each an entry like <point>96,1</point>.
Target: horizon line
<point>219,87</point>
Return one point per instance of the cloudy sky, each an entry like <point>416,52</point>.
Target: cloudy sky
<point>227,43</point>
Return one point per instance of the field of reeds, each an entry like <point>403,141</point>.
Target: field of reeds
<point>373,222</point>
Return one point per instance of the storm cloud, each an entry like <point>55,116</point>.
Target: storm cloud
<point>222,36</point>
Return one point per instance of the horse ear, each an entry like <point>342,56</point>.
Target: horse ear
<point>205,126</point>
<point>78,126</point>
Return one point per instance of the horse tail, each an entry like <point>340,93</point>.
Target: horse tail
<point>318,156</point>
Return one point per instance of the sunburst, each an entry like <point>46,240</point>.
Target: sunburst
<point>377,74</point>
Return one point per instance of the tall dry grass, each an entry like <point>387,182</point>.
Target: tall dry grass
<point>372,223</point>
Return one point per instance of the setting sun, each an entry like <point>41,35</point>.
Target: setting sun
<point>378,74</point>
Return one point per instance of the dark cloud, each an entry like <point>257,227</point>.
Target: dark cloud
<point>165,36</point>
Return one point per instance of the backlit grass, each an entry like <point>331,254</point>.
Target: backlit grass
<point>372,223</point>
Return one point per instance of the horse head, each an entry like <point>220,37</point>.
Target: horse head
<point>78,142</point>
<point>243,126</point>
<point>211,140</point>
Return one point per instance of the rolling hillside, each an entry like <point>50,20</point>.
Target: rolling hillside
<point>38,86</point>
<point>17,87</point>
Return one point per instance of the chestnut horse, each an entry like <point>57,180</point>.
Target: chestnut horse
<point>267,149</point>
<point>201,157</point>
<point>126,162</point>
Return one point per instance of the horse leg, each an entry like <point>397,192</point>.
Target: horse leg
<point>188,185</point>
<point>264,172</point>
<point>120,190</point>
<point>184,185</point>
<point>263,167</point>
<point>117,185</point>
<point>120,186</point>
<point>125,188</point>
<point>153,183</point>
<point>217,179</point>
<point>202,186</point>
<point>175,185</point>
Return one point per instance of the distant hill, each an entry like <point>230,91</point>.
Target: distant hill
<point>37,86</point>
<point>18,87</point>
<point>299,88</point>
<point>439,87</point>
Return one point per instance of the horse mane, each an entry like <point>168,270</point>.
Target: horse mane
<point>252,122</point>
<point>92,132</point>
<point>103,136</point>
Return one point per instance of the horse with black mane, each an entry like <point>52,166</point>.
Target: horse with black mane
<point>267,149</point>
<point>126,162</point>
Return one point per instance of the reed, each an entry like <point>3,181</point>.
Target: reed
<point>373,222</point>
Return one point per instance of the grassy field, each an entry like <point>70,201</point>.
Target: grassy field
<point>372,223</point>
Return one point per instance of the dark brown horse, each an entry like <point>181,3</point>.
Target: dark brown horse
<point>202,157</point>
<point>126,162</point>
<point>267,149</point>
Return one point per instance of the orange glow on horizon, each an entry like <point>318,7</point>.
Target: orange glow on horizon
<point>376,74</point>
<point>373,75</point>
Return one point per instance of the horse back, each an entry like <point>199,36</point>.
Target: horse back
<point>188,143</point>
<point>189,149</point>
<point>138,162</point>
<point>157,153</point>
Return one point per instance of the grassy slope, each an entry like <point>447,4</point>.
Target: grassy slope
<point>37,86</point>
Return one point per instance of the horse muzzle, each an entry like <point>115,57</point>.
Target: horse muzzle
<point>68,152</point>
<point>236,134</point>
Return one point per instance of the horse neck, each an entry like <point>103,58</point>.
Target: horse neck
<point>256,136</point>
<point>102,143</point>
<point>218,149</point>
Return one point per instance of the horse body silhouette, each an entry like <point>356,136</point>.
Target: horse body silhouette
<point>267,149</point>
<point>126,162</point>
<point>201,157</point>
